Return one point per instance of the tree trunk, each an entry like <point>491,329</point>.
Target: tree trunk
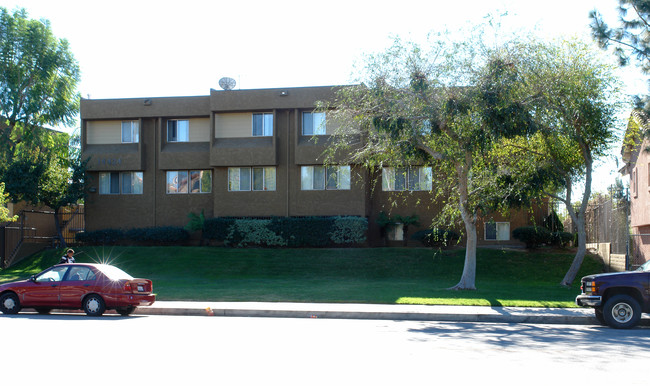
<point>580,254</point>
<point>579,218</point>
<point>57,226</point>
<point>468,279</point>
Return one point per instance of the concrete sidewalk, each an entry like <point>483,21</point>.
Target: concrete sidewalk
<point>583,316</point>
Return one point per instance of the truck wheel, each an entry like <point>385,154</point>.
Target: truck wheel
<point>622,311</point>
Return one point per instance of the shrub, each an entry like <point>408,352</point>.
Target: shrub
<point>100,237</point>
<point>436,237</point>
<point>171,235</point>
<point>217,228</point>
<point>561,239</point>
<point>245,232</point>
<point>349,230</point>
<point>532,236</point>
<point>552,222</point>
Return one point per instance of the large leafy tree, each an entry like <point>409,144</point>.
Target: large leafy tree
<point>38,89</point>
<point>575,104</point>
<point>446,106</point>
<point>38,84</point>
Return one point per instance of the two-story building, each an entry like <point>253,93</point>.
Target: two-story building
<point>244,153</point>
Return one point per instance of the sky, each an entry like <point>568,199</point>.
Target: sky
<point>144,48</point>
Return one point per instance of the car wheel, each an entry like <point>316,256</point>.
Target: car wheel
<point>599,316</point>
<point>126,311</point>
<point>622,311</point>
<point>9,303</point>
<point>94,305</point>
<point>43,311</point>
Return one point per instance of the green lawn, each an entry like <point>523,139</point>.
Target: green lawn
<point>363,275</point>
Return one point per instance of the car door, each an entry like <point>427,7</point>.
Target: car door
<point>79,281</point>
<point>44,288</point>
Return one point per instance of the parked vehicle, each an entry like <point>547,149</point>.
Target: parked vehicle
<point>94,288</point>
<point>618,298</point>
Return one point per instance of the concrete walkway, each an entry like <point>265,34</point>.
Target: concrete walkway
<point>584,316</point>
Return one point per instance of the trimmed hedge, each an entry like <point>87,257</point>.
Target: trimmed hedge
<point>532,236</point>
<point>287,231</point>
<point>152,235</point>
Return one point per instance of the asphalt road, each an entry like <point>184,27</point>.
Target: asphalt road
<point>72,349</point>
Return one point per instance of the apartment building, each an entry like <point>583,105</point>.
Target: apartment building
<point>248,153</point>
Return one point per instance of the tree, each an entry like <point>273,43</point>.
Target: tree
<point>576,102</point>
<point>55,180</point>
<point>4,212</point>
<point>38,82</point>
<point>630,40</point>
<point>444,106</point>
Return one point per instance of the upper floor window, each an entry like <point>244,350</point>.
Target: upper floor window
<point>120,183</point>
<point>256,179</point>
<point>497,231</point>
<point>325,177</point>
<point>313,123</point>
<point>130,132</point>
<point>178,130</point>
<point>263,125</point>
<point>407,178</point>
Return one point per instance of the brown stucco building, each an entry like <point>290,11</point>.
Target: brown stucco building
<point>237,153</point>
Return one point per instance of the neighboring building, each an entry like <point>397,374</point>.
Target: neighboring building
<point>636,156</point>
<point>248,153</point>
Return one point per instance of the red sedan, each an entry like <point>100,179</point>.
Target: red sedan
<point>94,288</point>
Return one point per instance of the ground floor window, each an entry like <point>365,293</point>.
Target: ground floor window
<point>497,231</point>
<point>189,181</point>
<point>255,179</point>
<point>120,183</point>
<point>325,177</point>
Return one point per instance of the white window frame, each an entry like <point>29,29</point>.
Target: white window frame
<point>108,179</point>
<point>182,134</point>
<point>318,124</point>
<point>268,176</point>
<point>423,175</point>
<point>326,173</point>
<point>502,231</point>
<point>132,131</point>
<point>267,125</point>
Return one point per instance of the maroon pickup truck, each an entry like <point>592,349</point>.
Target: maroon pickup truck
<point>618,298</point>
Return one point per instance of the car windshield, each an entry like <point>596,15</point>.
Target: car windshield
<point>114,273</point>
<point>645,267</point>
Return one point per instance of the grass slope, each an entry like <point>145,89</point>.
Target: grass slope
<point>356,275</point>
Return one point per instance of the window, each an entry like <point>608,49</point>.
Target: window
<point>120,183</point>
<point>634,183</point>
<point>497,231</point>
<point>130,132</point>
<point>325,177</point>
<point>200,181</point>
<point>313,124</point>
<point>178,131</point>
<point>256,179</point>
<point>416,178</point>
<point>262,125</point>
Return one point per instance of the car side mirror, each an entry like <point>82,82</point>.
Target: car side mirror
<point>33,278</point>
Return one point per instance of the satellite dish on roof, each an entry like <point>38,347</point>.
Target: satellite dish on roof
<point>227,83</point>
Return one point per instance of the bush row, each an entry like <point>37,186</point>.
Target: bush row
<point>287,231</point>
<point>534,236</point>
<point>152,235</point>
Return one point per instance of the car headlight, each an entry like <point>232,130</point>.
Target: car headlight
<point>589,287</point>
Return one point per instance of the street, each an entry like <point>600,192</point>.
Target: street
<point>72,349</point>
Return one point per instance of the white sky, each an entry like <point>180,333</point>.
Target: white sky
<point>151,48</point>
